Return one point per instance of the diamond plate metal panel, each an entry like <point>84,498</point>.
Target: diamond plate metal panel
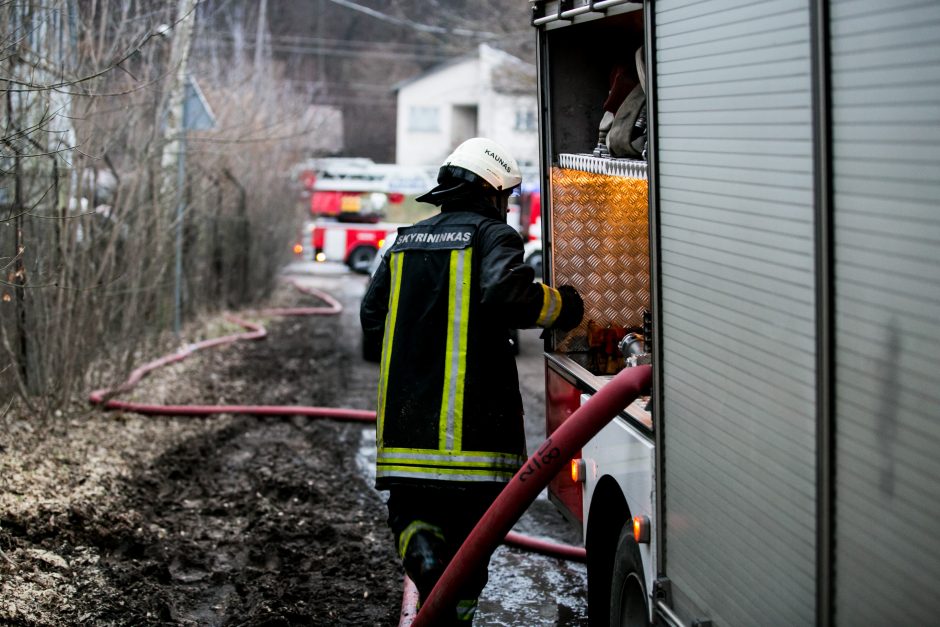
<point>600,239</point>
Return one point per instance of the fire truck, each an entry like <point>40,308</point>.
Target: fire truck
<point>347,189</point>
<point>354,244</point>
<point>355,189</point>
<point>348,200</point>
<point>761,225</point>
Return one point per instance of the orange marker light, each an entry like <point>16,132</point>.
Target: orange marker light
<point>298,249</point>
<point>578,474</point>
<point>641,529</point>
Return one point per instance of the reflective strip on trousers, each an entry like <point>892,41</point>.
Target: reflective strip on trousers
<point>419,525</point>
<point>466,609</point>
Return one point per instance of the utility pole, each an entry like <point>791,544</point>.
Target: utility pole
<point>174,148</point>
<point>321,61</point>
<point>259,37</point>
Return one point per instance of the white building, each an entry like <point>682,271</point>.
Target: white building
<point>489,93</point>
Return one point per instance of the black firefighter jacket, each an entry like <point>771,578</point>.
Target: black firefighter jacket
<point>441,305</point>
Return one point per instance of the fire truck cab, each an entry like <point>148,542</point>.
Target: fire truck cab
<point>351,243</point>
<point>757,217</point>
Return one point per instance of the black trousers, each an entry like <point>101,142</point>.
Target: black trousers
<point>438,519</point>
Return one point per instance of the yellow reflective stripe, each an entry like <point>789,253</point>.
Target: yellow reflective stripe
<point>449,454</point>
<point>462,363</point>
<point>419,525</point>
<point>551,306</point>
<point>466,610</point>
<point>395,266</point>
<point>383,470</point>
<point>420,470</point>
<point>450,429</point>
<point>445,434</point>
<point>430,451</point>
<point>448,457</point>
<point>502,465</point>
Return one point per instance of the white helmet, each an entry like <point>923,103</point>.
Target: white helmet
<point>486,159</point>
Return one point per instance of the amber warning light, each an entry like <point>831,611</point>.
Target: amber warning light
<point>298,248</point>
<point>641,529</point>
<point>578,474</point>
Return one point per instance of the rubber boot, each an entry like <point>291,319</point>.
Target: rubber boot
<point>424,561</point>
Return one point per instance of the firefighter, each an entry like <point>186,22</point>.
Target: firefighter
<point>439,310</point>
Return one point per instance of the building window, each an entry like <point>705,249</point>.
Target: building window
<point>525,120</point>
<point>423,119</point>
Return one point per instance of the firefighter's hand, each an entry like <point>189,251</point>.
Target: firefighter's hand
<point>572,308</point>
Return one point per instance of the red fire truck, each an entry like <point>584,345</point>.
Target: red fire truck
<point>348,198</point>
<point>762,227</point>
<point>347,189</point>
<point>354,244</point>
<point>357,189</point>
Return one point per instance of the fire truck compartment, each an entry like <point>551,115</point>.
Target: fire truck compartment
<point>600,243</point>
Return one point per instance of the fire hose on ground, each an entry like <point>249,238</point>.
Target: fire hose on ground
<point>253,331</point>
<point>472,549</point>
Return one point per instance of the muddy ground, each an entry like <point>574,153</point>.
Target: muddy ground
<point>117,519</point>
<point>112,518</point>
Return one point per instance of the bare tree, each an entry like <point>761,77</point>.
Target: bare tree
<point>91,131</point>
<point>91,121</point>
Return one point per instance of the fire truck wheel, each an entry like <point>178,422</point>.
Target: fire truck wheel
<point>360,259</point>
<point>627,593</point>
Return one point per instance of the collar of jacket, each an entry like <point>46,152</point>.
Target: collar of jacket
<point>476,205</point>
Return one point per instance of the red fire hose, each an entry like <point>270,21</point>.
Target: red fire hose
<point>557,450</point>
<point>545,547</point>
<point>254,332</point>
<point>409,603</point>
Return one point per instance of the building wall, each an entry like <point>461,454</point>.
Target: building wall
<point>501,126</point>
<point>457,84</point>
<point>499,109</point>
<point>464,83</point>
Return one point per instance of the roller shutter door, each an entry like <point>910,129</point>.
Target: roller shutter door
<point>738,308</point>
<point>886,158</point>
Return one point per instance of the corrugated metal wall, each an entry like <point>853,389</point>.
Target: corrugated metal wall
<point>737,237</point>
<point>886,159</point>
